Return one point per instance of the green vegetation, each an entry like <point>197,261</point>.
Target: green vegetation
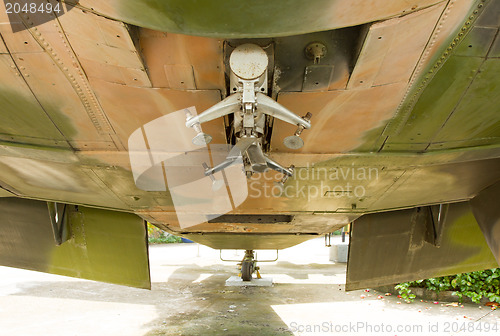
<point>474,285</point>
<point>165,240</point>
<point>158,236</point>
<point>339,231</point>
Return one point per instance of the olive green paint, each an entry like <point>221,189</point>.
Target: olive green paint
<point>238,19</point>
<point>477,118</point>
<point>24,120</point>
<point>249,241</point>
<point>454,102</point>
<point>224,18</point>
<point>437,102</point>
<point>5,193</point>
<point>392,247</point>
<point>105,246</point>
<point>466,234</point>
<point>23,117</point>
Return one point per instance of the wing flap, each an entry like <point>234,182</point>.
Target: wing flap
<point>398,246</point>
<point>101,245</point>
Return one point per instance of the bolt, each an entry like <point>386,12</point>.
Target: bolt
<point>316,51</point>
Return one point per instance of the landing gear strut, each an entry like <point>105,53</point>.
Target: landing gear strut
<point>248,266</point>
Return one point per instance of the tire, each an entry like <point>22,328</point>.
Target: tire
<point>246,270</point>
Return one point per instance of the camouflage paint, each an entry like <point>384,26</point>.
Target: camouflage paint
<point>454,104</point>
<point>103,245</point>
<point>243,19</point>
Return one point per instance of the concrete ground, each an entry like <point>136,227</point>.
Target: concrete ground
<point>189,297</point>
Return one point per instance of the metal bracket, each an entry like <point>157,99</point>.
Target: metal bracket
<point>439,224</point>
<point>227,106</point>
<point>269,106</point>
<point>434,218</point>
<point>239,260</point>
<point>58,219</point>
<point>328,240</point>
<point>316,51</point>
<point>232,104</point>
<point>250,106</point>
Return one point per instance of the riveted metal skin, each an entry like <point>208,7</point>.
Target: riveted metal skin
<point>261,18</point>
<point>396,125</point>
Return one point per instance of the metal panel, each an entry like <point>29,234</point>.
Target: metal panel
<point>476,118</point>
<point>129,107</point>
<point>203,55</point>
<point>260,18</point>
<point>66,80</point>
<point>305,224</point>
<point>105,48</point>
<point>3,48</point>
<point>455,100</point>
<point>5,193</point>
<point>386,56</point>
<point>247,241</point>
<point>477,43</point>
<point>487,212</point>
<point>447,32</point>
<point>93,50</point>
<point>294,65</point>
<point>437,102</point>
<point>59,99</point>
<point>436,184</point>
<point>389,248</point>
<point>492,14</point>
<point>103,245</point>
<point>317,77</point>
<point>56,181</point>
<point>180,77</point>
<point>21,114</point>
<point>495,49</point>
<point>341,117</point>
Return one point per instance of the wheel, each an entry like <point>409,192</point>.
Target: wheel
<point>247,270</point>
